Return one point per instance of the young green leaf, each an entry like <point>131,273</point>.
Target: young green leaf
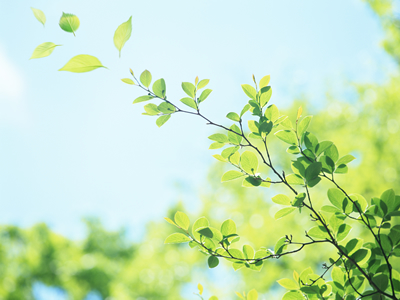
<point>264,81</point>
<point>145,78</point>
<point>189,102</point>
<point>231,175</point>
<point>288,284</point>
<point>249,162</point>
<point>43,50</point>
<point>216,145</point>
<point>151,109</point>
<point>204,95</point>
<point>281,199</point>
<point>82,63</point>
<point>228,227</point>
<point>166,108</point>
<point>248,251</point>
<point>199,223</point>
<point>280,245</point>
<point>182,220</point>
<point>244,110</point>
<point>266,93</point>
<point>170,221</point>
<point>128,81</point>
<point>252,295</point>
<point>336,197</point>
<point>332,152</point>
<point>318,232</point>
<point>288,136</point>
<point>162,120</point>
<point>159,88</point>
<point>122,34</point>
<point>233,137</point>
<point>142,98</point>
<point>219,157</point>
<point>345,159</point>
<point>249,91</point>
<point>213,262</point>
<point>177,238</point>
<point>343,231</point>
<point>294,179</point>
<point>313,171</point>
<point>284,212</point>
<point>303,125</point>
<point>219,137</point>
<point>233,116</point>
<point>272,113</point>
<point>39,15</point>
<point>69,23</point>
<point>203,83</point>
<point>188,88</point>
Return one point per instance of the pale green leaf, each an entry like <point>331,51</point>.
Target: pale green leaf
<point>159,88</point>
<point>189,102</point>
<point>231,175</point>
<point>122,34</point>
<point>249,91</point>
<point>177,238</point>
<point>188,88</point>
<point>219,137</point>
<point>345,159</point>
<point>252,295</point>
<point>69,23</point>
<point>162,120</point>
<point>281,199</point>
<point>82,63</point>
<point>145,78</point>
<point>203,83</point>
<point>43,50</point>
<point>248,252</point>
<point>249,162</point>
<point>39,15</point>
<point>293,296</point>
<point>182,220</point>
<point>128,81</point>
<point>228,227</point>
<point>303,125</point>
<point>284,212</point>
<point>204,95</point>
<point>233,116</point>
<point>142,98</point>
<point>288,284</point>
<point>266,93</point>
<point>288,136</point>
<point>294,179</point>
<point>264,81</point>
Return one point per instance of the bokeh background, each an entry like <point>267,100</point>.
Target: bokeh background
<point>85,179</point>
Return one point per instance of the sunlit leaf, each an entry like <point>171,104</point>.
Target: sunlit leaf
<point>177,238</point>
<point>82,63</point>
<point>122,34</point>
<point>43,50</point>
<point>39,15</point>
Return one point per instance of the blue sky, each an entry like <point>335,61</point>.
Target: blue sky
<point>73,145</point>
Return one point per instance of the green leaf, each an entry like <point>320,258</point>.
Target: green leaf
<point>249,91</point>
<point>245,109</point>
<point>145,78</point>
<point>203,83</point>
<point>298,200</point>
<point>204,95</point>
<point>251,181</point>
<point>39,15</point>
<point>248,252</point>
<point>189,102</point>
<point>272,113</point>
<point>288,284</point>
<point>69,23</point>
<point>288,136</point>
<point>381,280</point>
<point>281,199</point>
<point>82,63</point>
<point>280,245</point>
<point>342,169</point>
<point>313,171</point>
<point>294,179</point>
<point>143,98</point>
<point>231,175</point>
<point>330,209</point>
<point>343,231</point>
<point>226,153</point>
<point>327,164</point>
<point>249,162</point>
<point>162,120</point>
<point>252,295</point>
<point>170,221</point>
<point>265,128</point>
<point>228,227</point>
<point>353,245</point>
<point>199,223</point>
<point>211,233</point>
<point>177,238</point>
<point>166,108</point>
<point>234,158</point>
<point>345,159</point>
<point>336,197</point>
<point>219,157</point>
<point>359,201</point>
<point>318,232</point>
<point>233,116</point>
<point>293,296</point>
<point>43,50</point>
<point>293,150</point>
<point>388,197</point>
<point>284,212</point>
<point>332,152</point>
<point>182,220</point>
<point>322,146</point>
<point>310,141</point>
<point>303,125</point>
<point>233,137</point>
<point>287,123</point>
<point>213,298</point>
<point>213,262</point>
<point>159,88</point>
<point>266,94</point>
<point>219,137</point>
<point>264,81</point>
<point>151,109</point>
<point>122,34</point>
<point>128,81</point>
<point>188,88</point>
